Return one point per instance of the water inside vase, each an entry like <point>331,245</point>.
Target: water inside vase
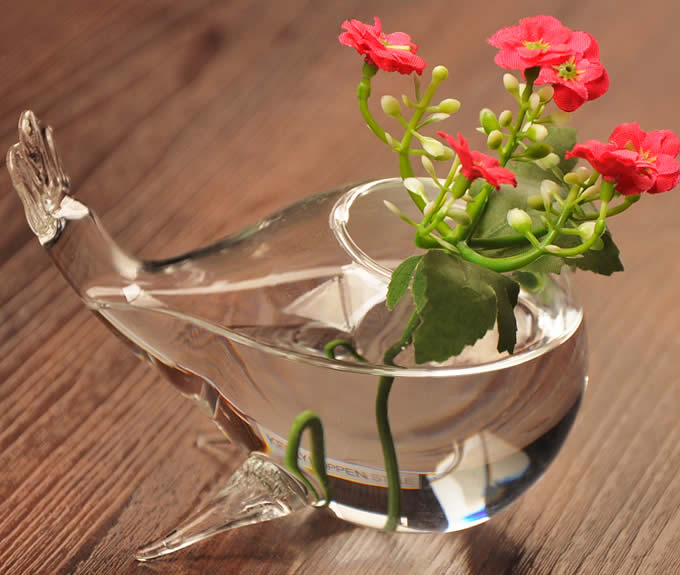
<point>470,437</point>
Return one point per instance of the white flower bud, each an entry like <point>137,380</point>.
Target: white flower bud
<point>584,173</point>
<point>591,193</point>
<point>390,105</point>
<point>519,220</point>
<point>505,118</point>
<point>440,73</point>
<point>534,101</point>
<point>586,230</point>
<point>488,120</point>
<point>579,176</point>
<point>546,93</point>
<point>552,248</point>
<point>428,166</point>
<point>447,155</point>
<point>460,216</point>
<point>537,151</point>
<point>572,179</point>
<point>392,208</point>
<point>437,117</point>
<point>550,188</point>
<point>433,147</point>
<point>449,106</point>
<point>511,84</point>
<point>494,140</point>
<point>390,141</point>
<point>415,186</point>
<point>552,160</point>
<point>537,132</point>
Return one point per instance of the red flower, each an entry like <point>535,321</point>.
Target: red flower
<point>637,161</point>
<point>390,52</point>
<point>538,41</point>
<point>477,165</point>
<point>660,147</point>
<point>578,78</point>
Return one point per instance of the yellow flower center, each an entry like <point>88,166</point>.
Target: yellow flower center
<point>395,46</point>
<point>536,45</point>
<point>644,154</point>
<point>567,70</point>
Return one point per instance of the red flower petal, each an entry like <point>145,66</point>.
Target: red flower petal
<point>592,50</point>
<point>665,182</point>
<point>662,142</point>
<point>666,165</point>
<point>514,43</point>
<point>567,99</point>
<point>390,52</point>
<point>625,134</point>
<point>478,165</point>
<point>598,86</point>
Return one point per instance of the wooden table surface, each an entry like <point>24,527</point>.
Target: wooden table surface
<point>180,121</point>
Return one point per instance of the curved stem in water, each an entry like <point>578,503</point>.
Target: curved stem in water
<point>313,421</point>
<point>330,347</point>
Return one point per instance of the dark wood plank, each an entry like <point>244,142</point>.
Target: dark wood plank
<point>179,121</point>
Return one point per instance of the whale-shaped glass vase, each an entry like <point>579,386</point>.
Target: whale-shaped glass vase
<point>240,328</point>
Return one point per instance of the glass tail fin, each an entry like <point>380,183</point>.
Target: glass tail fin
<point>258,491</point>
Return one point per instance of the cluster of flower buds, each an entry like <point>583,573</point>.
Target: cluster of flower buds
<point>501,129</point>
<point>559,66</point>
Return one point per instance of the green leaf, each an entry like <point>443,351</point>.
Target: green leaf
<point>419,289</point>
<point>605,261</point>
<point>461,302</point>
<point>560,140</point>
<point>507,292</point>
<point>529,177</point>
<point>401,278</point>
<point>493,223</point>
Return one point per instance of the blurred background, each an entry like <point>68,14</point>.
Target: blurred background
<point>163,107</point>
<point>180,122</point>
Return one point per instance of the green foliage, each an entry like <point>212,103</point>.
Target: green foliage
<point>493,222</point>
<point>401,278</point>
<point>605,261</point>
<point>457,303</point>
<point>560,140</point>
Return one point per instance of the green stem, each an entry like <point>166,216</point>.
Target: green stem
<point>330,347</point>
<point>363,94</point>
<point>585,246</point>
<point>476,208</point>
<point>384,431</point>
<point>405,168</point>
<point>511,263</point>
<point>622,207</point>
<point>309,419</point>
<point>504,241</point>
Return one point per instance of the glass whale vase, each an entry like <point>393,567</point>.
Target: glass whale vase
<point>240,328</point>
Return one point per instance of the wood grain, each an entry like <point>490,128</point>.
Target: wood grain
<point>178,122</point>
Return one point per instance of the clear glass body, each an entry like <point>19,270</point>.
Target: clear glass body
<point>240,327</point>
